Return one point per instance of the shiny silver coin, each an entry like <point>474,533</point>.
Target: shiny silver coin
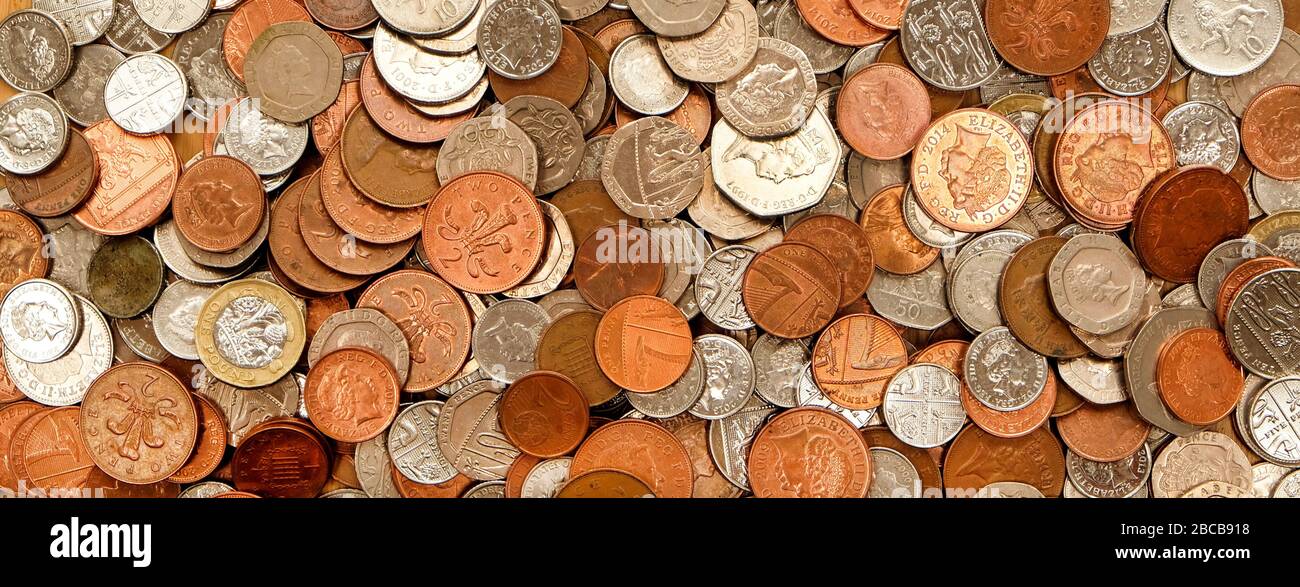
<point>1282,67</point>
<point>40,321</point>
<point>488,143</point>
<point>779,362</point>
<point>1202,87</point>
<point>413,444</point>
<point>477,448</point>
<point>486,490</point>
<point>1127,17</point>
<point>1274,421</point>
<point>82,94</point>
<point>741,169</point>
<point>642,80</point>
<point>34,135</point>
<point>64,381</point>
<point>1008,81</point>
<point>592,157</point>
<point>167,239</point>
<point>684,248</point>
<point>1185,295</point>
<point>862,58</point>
<point>365,328</point>
<point>459,40</point>
<point>1203,134</point>
<point>973,289</point>
<point>459,105</point>
<point>1202,457</point>
<point>505,339</point>
<point>1002,373</point>
<point>1122,478</point>
<point>206,489</point>
<point>811,395</point>
<point>1263,324</point>
<point>824,55</point>
<point>923,405</point>
<point>728,377</point>
<point>1221,260</point>
<point>145,94</point>
<point>267,145</point>
<point>677,19</point>
<point>946,43</point>
<point>773,95</point>
<point>424,76</point>
<point>38,51</point>
<point>425,19</point>
<point>128,34</point>
<point>579,9</point>
<point>172,16</point>
<point>546,478</point>
<point>1288,487</point>
<point>717,287</point>
<point>721,51</point>
<point>717,214</point>
<point>1100,381</point>
<point>1142,358</point>
<point>85,20</point>
<point>919,300</point>
<point>1133,64</point>
<point>675,399</point>
<point>1266,477</point>
<point>1275,195</point>
<point>590,110</point>
<point>198,53</point>
<point>520,39</point>
<point>1096,283</point>
<point>175,315</point>
<point>1225,39</point>
<point>652,168</point>
<point>730,437</point>
<point>374,468</point>
<point>345,493</point>
<point>926,229</point>
<point>892,475</point>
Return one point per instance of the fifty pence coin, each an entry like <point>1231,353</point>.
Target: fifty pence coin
<point>741,171</point>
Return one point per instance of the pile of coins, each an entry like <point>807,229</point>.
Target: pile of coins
<point>687,248</point>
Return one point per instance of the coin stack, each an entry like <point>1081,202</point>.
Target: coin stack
<point>695,248</point>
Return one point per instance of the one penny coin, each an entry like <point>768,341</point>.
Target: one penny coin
<point>604,484</point>
<point>25,256</point>
<point>885,14</point>
<point>210,447</point>
<point>484,232</point>
<point>809,452</point>
<point>973,170</point>
<point>1197,376</point>
<point>1268,131</point>
<point>352,394</point>
<point>1104,433</point>
<point>893,245</point>
<point>12,416</point>
<point>643,344</point>
<point>219,203</point>
<point>1185,215</point>
<point>791,290</point>
<point>432,316</point>
<point>1026,301</point>
<point>639,448</point>
<point>137,177</point>
<point>882,111</point>
<point>139,423</point>
<point>848,247</point>
<point>544,414</point>
<point>1106,156</point>
<point>62,187</point>
<point>976,458</point>
<point>281,458</point>
<point>49,452</point>
<point>360,216</point>
<point>617,262</point>
<point>391,172</point>
<point>568,346</point>
<point>1045,38</point>
<point>854,359</point>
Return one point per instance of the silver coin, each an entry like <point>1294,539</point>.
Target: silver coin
<point>1263,324</point>
<point>167,239</point>
<point>1133,64</point>
<point>64,381</point>
<point>926,229</point>
<point>145,93</point>
<point>919,300</point>
<point>1274,421</point>
<point>1009,489</point>
<point>374,468</point>
<point>922,405</point>
<point>946,43</point>
<point>716,213</point>
<point>39,321</point>
<point>578,9</point>
<point>683,249</point>
<point>779,363</point>
<point>423,19</point>
<point>520,39</point>
<point>33,133</point>
<point>352,65</point>
<point>866,177</point>
<point>836,202</point>
<point>137,334</point>
<point>129,34</point>
<point>244,409</point>
<point>892,475</point>
<point>677,398</point>
<point>459,40</point>
<point>1184,295</point>
<point>505,339</point>
<point>563,302</point>
<point>175,315</point>
<point>546,478</point>
<point>198,52</point>
<point>172,16</point>
<point>1282,67</point>
<point>478,449</point>
<point>270,182</point>
<point>1203,134</point>
<point>590,110</point>
<point>486,490</point>
<point>365,328</point>
<point>861,58</point>
<point>771,177</point>
<point>488,143</point>
<point>71,247</point>
<point>206,489</point>
<point>82,94</point>
<point>1141,360</point>
<point>1225,39</point>
<point>38,51</point>
<point>1241,413</point>
<point>1100,381</point>
<point>824,55</point>
<point>1006,240</point>
<point>1189,461</point>
<point>1127,17</point>
<point>592,157</point>
<point>1265,477</point>
<point>1002,373</point>
<point>1221,260</point>
<point>973,289</point>
<point>267,145</point>
<point>424,76</point>
<point>460,105</point>
<point>345,493</point>
<point>642,80</point>
<point>730,437</point>
<point>1275,195</point>
<point>236,258</point>
<point>1203,87</point>
<point>1007,81</point>
<point>556,259</point>
<point>677,19</point>
<point>85,20</point>
<point>1122,478</point>
<point>811,395</point>
<point>1096,283</point>
<point>413,444</point>
<point>721,51</point>
<point>729,377</point>
<point>1289,486</point>
<point>717,287</point>
<point>773,95</point>
<point>556,133</point>
<point>652,168</point>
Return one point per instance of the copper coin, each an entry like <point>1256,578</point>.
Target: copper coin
<point>643,344</point>
<point>1067,401</point>
<point>397,116</point>
<point>360,216</point>
<point>1104,433</point>
<point>289,252</point>
<point>838,22</point>
<point>809,452</point>
<point>11,417</point>
<point>893,245</point>
<point>139,423</point>
<point>972,170</point>
<point>352,394</point>
<point>49,453</point>
<point>21,428</point>
<point>791,290</point>
<point>63,186</point>
<point>1198,378</point>
<point>565,81</point>
<point>9,392</point>
<point>941,101</point>
<point>976,458</point>
<point>587,207</point>
<point>236,495</point>
<point>320,309</point>
<point>885,14</point>
<point>1047,38</point>
<point>709,482</point>
<point>445,490</point>
<point>1106,156</point>
<point>327,127</point>
<point>336,248</point>
<point>1026,301</point>
<point>249,22</point>
<point>390,172</point>
<point>544,414</point>
<point>639,448</point>
<point>137,176</point>
<point>605,484</point>
<point>618,262</point>
<point>1268,131</point>
<point>518,471</point>
<point>568,346</point>
<point>848,247</point>
<point>1183,216</point>
<point>24,244</point>
<point>1239,276</point>
<point>281,461</point>
<point>883,110</point>
<point>926,466</point>
<point>343,15</point>
<point>100,484</point>
<point>346,44</point>
<point>210,447</point>
<point>218,204</point>
<point>1080,81</point>
<point>434,318</point>
<point>854,359</point>
<point>1016,423</point>
<point>483,232</point>
<point>613,34</point>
